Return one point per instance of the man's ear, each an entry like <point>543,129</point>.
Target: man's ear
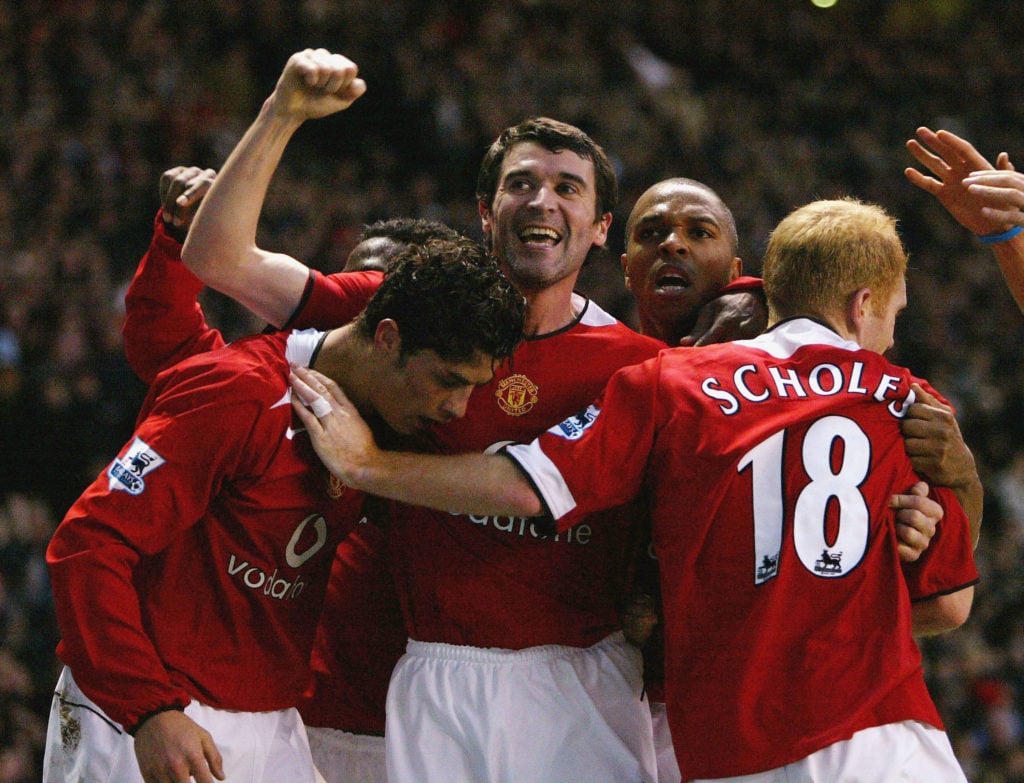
<point>386,337</point>
<point>602,235</point>
<point>625,273</point>
<point>736,269</point>
<point>485,216</point>
<point>857,310</point>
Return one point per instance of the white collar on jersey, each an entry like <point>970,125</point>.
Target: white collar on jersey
<point>783,339</point>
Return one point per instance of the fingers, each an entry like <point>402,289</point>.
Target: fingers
<point>327,73</point>
<point>925,399</point>
<point>917,516</point>
<point>213,758</point>
<point>946,155</point>
<point>181,190</point>
<point>926,158</point>
<point>927,184</point>
<point>1002,191</point>
<point>307,401</point>
<point>315,395</point>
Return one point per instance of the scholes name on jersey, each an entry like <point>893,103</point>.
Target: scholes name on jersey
<point>754,384</point>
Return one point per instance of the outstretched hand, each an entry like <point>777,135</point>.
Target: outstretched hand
<point>340,436</point>
<point>962,183</point>
<point>1002,192</point>
<point>316,83</point>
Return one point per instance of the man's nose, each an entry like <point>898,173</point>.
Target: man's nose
<point>455,406</point>
<point>674,242</point>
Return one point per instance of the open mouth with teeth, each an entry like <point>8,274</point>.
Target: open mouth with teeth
<point>539,235</point>
<point>672,281</point>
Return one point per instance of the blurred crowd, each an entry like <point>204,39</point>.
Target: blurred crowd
<point>772,104</point>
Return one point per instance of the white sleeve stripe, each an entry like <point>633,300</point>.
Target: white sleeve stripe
<point>545,476</point>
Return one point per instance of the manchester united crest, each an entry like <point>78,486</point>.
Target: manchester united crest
<point>335,489</point>
<point>516,395</point>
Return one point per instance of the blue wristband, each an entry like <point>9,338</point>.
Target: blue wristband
<point>992,239</point>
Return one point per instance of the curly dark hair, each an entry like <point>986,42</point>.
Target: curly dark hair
<point>554,136</point>
<point>409,231</point>
<point>450,297</point>
<point>382,240</point>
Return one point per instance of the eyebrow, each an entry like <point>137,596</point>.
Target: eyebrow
<point>453,376</point>
<point>562,175</point>
<point>661,217</point>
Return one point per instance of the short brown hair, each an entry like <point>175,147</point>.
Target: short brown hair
<point>822,253</point>
<point>553,136</point>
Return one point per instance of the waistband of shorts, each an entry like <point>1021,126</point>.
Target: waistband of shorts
<point>348,738</point>
<point>460,652</point>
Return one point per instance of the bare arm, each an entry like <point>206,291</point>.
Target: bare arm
<point>983,198</point>
<point>938,452</point>
<point>466,483</point>
<point>221,245</point>
<point>943,613</point>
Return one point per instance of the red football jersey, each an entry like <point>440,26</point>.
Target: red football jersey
<point>769,464</point>
<point>360,638</point>
<point>498,582</point>
<point>195,565</point>
<point>352,663</point>
<point>163,322</point>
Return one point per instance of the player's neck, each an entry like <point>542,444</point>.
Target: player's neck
<point>348,359</point>
<point>662,332</point>
<point>549,310</point>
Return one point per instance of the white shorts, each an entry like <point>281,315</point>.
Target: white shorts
<point>668,767</point>
<point>343,757</point>
<point>464,714</point>
<point>83,744</point>
<point>905,752</point>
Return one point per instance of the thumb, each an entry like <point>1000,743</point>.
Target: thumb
<point>923,396</point>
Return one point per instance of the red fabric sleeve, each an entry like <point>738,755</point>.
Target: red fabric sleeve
<point>189,440</point>
<point>163,320</point>
<point>335,299</point>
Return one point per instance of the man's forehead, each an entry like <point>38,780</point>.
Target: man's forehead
<point>529,156</point>
<point>475,370</point>
<point>678,201</point>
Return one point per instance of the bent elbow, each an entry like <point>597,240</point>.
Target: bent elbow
<point>959,608</point>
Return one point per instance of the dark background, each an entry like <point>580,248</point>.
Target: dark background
<point>773,104</point>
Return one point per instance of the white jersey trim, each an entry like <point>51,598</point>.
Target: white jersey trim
<point>546,478</point>
<point>784,340</point>
<point>301,345</point>
<point>592,314</point>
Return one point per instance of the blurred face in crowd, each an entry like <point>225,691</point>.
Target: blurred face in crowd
<point>543,219</point>
<point>680,251</point>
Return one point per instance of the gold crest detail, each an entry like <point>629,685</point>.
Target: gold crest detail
<point>70,729</point>
<point>335,489</point>
<point>516,395</point>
